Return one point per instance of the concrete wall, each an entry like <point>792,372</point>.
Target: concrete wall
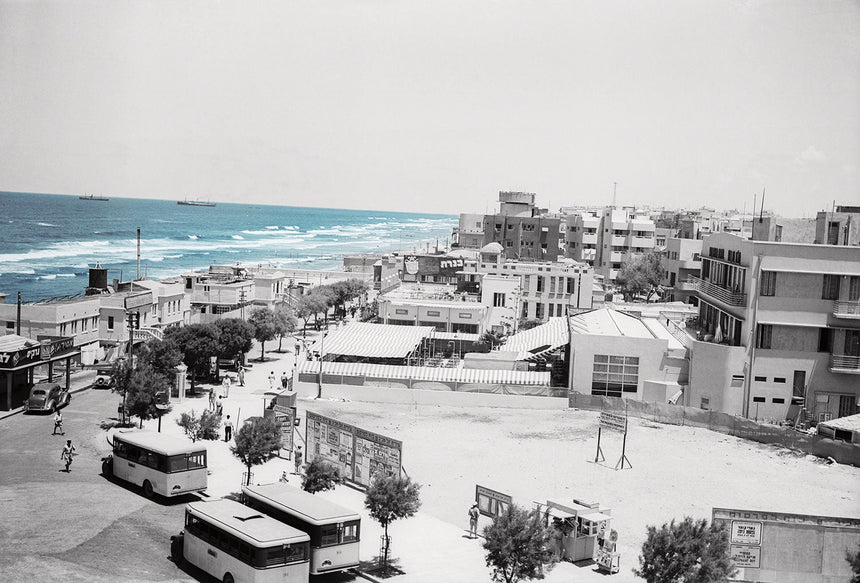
<point>711,370</point>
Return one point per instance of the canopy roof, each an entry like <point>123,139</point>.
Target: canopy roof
<point>534,343</point>
<point>367,340</point>
<point>426,373</point>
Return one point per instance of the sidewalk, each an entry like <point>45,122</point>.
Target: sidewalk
<point>81,380</point>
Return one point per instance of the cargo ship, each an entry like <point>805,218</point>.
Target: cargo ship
<point>91,197</point>
<point>187,202</point>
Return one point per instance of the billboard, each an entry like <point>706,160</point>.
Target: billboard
<point>490,502</point>
<point>428,265</point>
<point>358,453</point>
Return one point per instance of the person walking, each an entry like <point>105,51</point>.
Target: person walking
<point>272,380</point>
<point>473,521</point>
<point>219,408</point>
<point>226,384</point>
<point>58,423</point>
<point>241,376</point>
<point>298,460</point>
<point>284,379</point>
<point>66,455</point>
<point>228,429</point>
<point>212,399</point>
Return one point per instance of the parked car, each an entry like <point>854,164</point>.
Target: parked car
<point>103,376</point>
<point>47,397</point>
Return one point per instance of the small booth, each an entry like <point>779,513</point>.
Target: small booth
<point>581,532</point>
<point>282,406</point>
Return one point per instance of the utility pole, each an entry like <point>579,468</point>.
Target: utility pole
<point>18,318</point>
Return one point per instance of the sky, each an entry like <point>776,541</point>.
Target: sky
<point>435,106</point>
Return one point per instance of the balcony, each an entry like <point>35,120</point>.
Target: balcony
<point>722,294</point>
<point>147,334</point>
<point>847,309</point>
<point>843,363</point>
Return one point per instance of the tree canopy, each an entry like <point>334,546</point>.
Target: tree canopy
<point>285,323</point>
<point>142,392</point>
<point>640,275</point>
<point>690,551</point>
<point>256,442</point>
<point>198,343</point>
<point>320,475</point>
<point>391,498</point>
<point>517,545</point>
<point>265,327</point>
<point>235,337</point>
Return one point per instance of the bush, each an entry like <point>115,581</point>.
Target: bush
<point>690,551</point>
<point>320,476</point>
<point>205,426</point>
<point>517,545</point>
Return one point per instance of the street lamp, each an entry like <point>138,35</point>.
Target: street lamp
<point>319,378</point>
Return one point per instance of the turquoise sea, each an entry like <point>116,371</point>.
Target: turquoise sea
<point>48,242</point>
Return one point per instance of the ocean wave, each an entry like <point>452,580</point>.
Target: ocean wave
<point>52,276</point>
<point>275,227</point>
<point>67,275</point>
<point>173,256</point>
<point>46,225</point>
<point>192,237</point>
<point>238,237</point>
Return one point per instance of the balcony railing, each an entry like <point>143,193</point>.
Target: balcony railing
<point>845,363</point>
<point>147,334</point>
<point>846,309</point>
<point>722,294</point>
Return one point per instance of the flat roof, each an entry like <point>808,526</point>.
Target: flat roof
<point>309,506</point>
<point>247,523</point>
<point>849,423</point>
<point>13,342</point>
<point>159,442</point>
<point>609,322</point>
<point>427,373</point>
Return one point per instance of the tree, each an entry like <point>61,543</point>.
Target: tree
<point>285,323</point>
<point>236,337</point>
<point>143,391</point>
<point>320,475</point>
<point>324,299</point>
<point>345,291</point>
<point>639,275</point>
<point>492,339</point>
<point>120,375</point>
<point>265,328</point>
<point>690,551</point>
<point>308,305</point>
<point>162,355</point>
<point>198,343</point>
<point>257,441</point>
<point>854,560</point>
<point>197,427</point>
<point>517,545</point>
<point>390,498</point>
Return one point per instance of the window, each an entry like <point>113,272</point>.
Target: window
<point>10,325</point>
<point>777,400</point>
<point>509,243</point>
<point>110,322</point>
<point>539,311</point>
<point>498,300</point>
<point>779,380</point>
<point>854,288</point>
<point>570,285</point>
<point>758,399</point>
<point>401,312</point>
<point>539,283</point>
<point>764,337</point>
<point>465,316</point>
<point>614,375</point>
<point>706,403</point>
<point>825,340</point>
<point>761,379</point>
<point>830,287</point>
<point>768,283</point>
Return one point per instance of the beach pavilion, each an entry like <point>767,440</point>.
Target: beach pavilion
<point>375,343</point>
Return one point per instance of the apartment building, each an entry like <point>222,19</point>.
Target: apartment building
<point>778,329</point>
<point>681,261</point>
<point>546,288</point>
<point>582,236</point>
<point>622,234</point>
<point>469,233</point>
<point>524,231</point>
<point>223,292</point>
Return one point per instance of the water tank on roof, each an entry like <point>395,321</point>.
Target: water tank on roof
<point>98,277</point>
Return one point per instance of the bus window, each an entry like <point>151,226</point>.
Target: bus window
<point>329,535</point>
<point>350,532</point>
<point>197,460</point>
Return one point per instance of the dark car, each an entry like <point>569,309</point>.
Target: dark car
<point>47,397</point>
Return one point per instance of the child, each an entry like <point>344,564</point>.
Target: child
<point>66,455</point>
<point>58,423</point>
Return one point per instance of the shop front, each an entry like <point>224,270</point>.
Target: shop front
<point>20,358</point>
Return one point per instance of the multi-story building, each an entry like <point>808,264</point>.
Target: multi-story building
<point>622,234</point>
<point>582,237</point>
<point>432,305</point>
<point>172,307</point>
<point>546,289</point>
<point>778,328</point>
<point>681,261</point>
<point>223,292</point>
<point>841,227</point>
<point>469,234</point>
<point>522,229</point>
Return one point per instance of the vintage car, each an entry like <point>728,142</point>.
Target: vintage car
<point>47,397</point>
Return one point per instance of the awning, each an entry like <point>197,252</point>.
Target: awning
<point>540,340</point>
<point>373,340</point>
<point>426,373</point>
<point>595,516</point>
<point>793,318</point>
<point>801,265</point>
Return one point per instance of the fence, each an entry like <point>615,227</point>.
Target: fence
<point>842,452</point>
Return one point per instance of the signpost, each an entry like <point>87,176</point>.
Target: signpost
<point>490,502</point>
<point>358,453</point>
<point>613,422</point>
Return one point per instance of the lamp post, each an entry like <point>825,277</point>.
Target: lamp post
<point>319,378</point>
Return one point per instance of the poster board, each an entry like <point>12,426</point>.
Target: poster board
<point>490,502</point>
<point>358,453</point>
<point>287,419</point>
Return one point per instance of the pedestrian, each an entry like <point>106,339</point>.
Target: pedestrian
<point>284,479</point>
<point>272,380</point>
<point>473,521</point>
<point>298,459</point>
<point>226,384</point>
<point>212,398</point>
<point>298,349</point>
<point>228,429</point>
<point>219,409</point>
<point>66,455</point>
<point>58,423</point>
<point>284,379</point>
<point>241,376</point>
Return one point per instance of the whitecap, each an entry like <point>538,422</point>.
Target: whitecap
<point>272,227</point>
<point>54,276</point>
<point>46,225</point>
<point>67,275</point>
<point>239,237</point>
<point>192,237</point>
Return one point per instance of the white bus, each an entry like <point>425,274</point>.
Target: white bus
<point>160,464</point>
<point>232,543</point>
<point>335,531</point>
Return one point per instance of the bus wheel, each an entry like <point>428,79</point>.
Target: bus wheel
<point>107,467</point>
<point>228,578</point>
<point>147,489</point>
<point>176,549</point>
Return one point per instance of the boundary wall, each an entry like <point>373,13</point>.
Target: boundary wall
<point>842,452</point>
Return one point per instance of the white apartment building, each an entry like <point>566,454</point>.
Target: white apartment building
<point>681,261</point>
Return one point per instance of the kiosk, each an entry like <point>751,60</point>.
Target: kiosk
<point>582,531</point>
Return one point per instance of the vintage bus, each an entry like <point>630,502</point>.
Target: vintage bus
<point>160,464</point>
<point>334,530</point>
<point>233,542</point>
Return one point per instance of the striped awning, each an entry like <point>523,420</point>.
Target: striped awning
<point>426,373</point>
<point>540,340</point>
<point>367,340</point>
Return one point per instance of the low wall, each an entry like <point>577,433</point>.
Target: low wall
<point>400,395</point>
<point>842,452</point>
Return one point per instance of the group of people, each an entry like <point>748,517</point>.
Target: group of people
<point>68,452</point>
<point>273,380</point>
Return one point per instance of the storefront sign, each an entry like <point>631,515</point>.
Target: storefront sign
<point>46,350</point>
<point>613,421</point>
<point>746,533</point>
<point>746,556</point>
<point>138,300</point>
<point>490,502</point>
<point>359,454</point>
